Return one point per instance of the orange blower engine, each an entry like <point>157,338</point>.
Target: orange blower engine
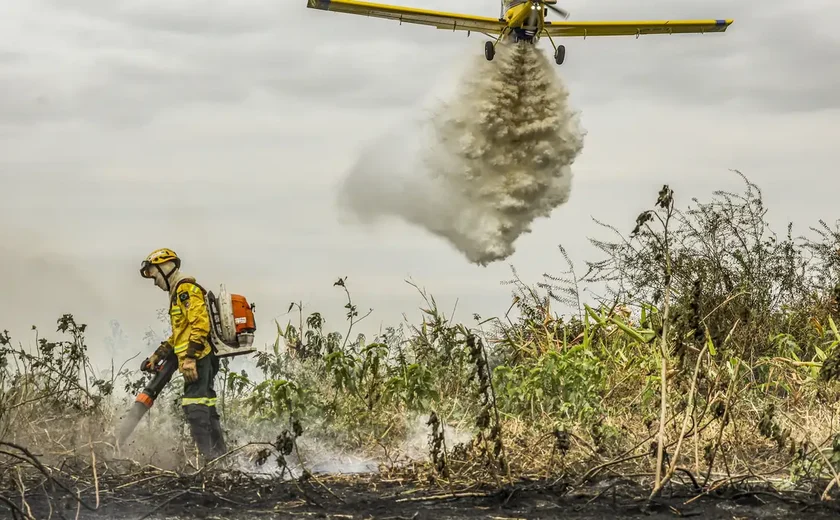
<point>232,323</point>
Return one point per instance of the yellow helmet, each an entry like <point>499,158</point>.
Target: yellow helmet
<point>158,257</point>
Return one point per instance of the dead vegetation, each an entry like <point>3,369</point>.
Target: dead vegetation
<point>707,369</point>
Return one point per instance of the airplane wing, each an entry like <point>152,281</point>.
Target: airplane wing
<point>635,28</point>
<point>439,19</point>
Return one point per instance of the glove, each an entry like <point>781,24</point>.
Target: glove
<point>189,371</point>
<point>163,349</point>
<point>149,363</point>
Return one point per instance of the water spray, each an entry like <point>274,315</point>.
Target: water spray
<point>484,166</point>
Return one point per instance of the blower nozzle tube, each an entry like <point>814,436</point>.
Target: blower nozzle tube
<point>146,398</point>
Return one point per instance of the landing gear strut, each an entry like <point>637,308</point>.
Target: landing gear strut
<point>559,50</point>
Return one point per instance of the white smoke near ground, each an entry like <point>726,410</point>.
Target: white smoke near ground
<point>319,456</point>
<point>162,439</point>
<point>415,446</point>
<point>484,166</point>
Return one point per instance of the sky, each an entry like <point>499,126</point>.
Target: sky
<point>222,130</point>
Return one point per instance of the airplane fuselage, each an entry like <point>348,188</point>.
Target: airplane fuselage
<point>524,22</point>
<point>525,19</point>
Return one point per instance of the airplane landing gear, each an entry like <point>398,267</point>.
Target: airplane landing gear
<point>490,47</point>
<point>560,54</point>
<point>559,51</point>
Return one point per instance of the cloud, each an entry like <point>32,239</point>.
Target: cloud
<point>125,64</point>
<point>167,56</point>
<point>770,59</point>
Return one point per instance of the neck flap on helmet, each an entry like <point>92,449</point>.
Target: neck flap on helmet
<point>165,274</point>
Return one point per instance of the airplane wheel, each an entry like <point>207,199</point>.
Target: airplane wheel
<point>560,55</point>
<point>489,51</point>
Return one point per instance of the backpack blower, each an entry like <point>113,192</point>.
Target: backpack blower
<point>232,328</point>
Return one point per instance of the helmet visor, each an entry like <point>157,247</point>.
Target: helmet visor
<point>145,270</point>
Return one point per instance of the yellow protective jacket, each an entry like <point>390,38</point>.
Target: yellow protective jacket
<point>190,322</point>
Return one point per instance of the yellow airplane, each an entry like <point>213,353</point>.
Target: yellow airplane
<point>520,20</point>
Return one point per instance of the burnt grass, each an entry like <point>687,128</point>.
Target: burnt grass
<point>234,495</point>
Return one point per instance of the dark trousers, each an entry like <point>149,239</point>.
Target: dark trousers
<point>199,405</point>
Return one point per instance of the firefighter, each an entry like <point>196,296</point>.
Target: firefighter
<point>190,342</point>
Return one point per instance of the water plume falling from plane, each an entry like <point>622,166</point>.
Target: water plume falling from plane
<point>484,166</point>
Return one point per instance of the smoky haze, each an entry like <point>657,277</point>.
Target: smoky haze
<point>481,168</point>
<point>36,279</point>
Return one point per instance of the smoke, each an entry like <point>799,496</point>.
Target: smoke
<point>415,446</point>
<point>41,284</point>
<point>159,440</point>
<point>484,166</point>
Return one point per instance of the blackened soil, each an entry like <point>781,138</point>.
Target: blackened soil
<point>245,498</point>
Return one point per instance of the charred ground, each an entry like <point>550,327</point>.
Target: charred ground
<point>153,494</point>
